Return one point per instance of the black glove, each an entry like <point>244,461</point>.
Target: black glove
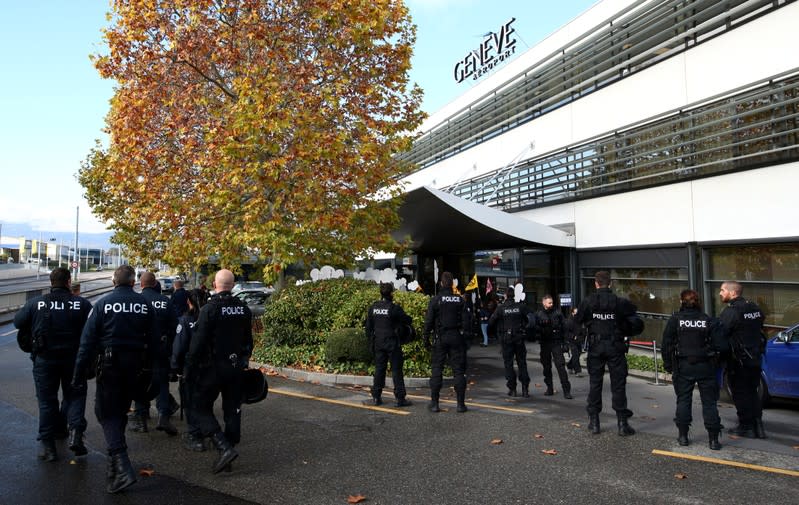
<point>78,383</point>
<point>427,344</point>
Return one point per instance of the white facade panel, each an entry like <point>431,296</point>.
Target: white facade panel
<point>748,205</point>
<point>759,49</point>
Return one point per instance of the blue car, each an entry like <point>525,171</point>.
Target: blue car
<point>780,376</point>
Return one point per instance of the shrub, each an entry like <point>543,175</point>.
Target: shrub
<point>304,318</point>
<point>347,345</point>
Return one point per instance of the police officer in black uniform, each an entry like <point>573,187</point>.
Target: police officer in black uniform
<point>743,324</point>
<point>512,320</point>
<point>692,342</point>
<point>451,320</point>
<point>55,322</point>
<point>218,352</point>
<point>549,329</point>
<point>603,315</point>
<point>167,323</point>
<point>573,334</point>
<point>384,321</point>
<point>122,331</point>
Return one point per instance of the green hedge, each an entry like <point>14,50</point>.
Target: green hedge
<point>299,321</point>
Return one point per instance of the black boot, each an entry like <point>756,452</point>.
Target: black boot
<point>526,390</point>
<point>47,451</point>
<point>593,423</point>
<point>743,430</point>
<point>433,407</point>
<point>376,399</point>
<point>758,429</point>
<point>76,443</point>
<point>682,437</point>
<point>713,440</point>
<point>461,397</point>
<point>193,442</point>
<point>402,402</point>
<point>549,391</point>
<point>122,474</point>
<point>165,425</point>
<point>138,423</point>
<point>226,452</point>
<point>624,428</point>
<point>512,391</point>
<point>567,391</point>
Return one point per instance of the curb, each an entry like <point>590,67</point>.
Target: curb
<point>332,379</point>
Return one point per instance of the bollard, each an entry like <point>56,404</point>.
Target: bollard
<point>655,356</point>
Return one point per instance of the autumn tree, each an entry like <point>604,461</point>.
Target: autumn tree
<point>266,127</point>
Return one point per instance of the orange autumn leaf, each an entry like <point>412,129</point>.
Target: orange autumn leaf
<point>733,437</point>
<point>680,476</point>
<point>146,472</point>
<point>550,452</point>
<point>358,498</point>
<point>538,435</point>
<point>576,425</point>
<point>496,441</point>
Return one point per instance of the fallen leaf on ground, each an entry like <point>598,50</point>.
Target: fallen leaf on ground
<point>655,406</point>
<point>472,383</point>
<point>647,418</point>
<point>358,498</point>
<point>648,398</point>
<point>496,441</point>
<point>146,472</point>
<point>576,425</point>
<point>538,435</point>
<point>551,452</point>
<point>538,385</point>
<point>680,476</point>
<point>734,437</point>
<point>796,447</point>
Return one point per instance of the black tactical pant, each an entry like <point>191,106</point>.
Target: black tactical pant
<point>382,357</point>
<point>209,383</point>
<point>576,348</point>
<point>611,353</point>
<point>451,346</point>
<point>51,372</point>
<point>119,382</point>
<point>744,380</point>
<point>702,374</point>
<point>552,352</point>
<point>515,350</point>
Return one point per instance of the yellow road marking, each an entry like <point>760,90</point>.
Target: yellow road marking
<point>717,461</point>
<point>337,402</point>
<point>482,405</point>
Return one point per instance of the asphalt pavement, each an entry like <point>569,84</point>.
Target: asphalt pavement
<point>314,444</point>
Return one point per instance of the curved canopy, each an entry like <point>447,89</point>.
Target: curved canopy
<point>441,223</point>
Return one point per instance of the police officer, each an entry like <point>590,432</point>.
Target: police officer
<point>691,343</point>
<point>573,334</point>
<point>218,352</point>
<point>167,323</point>
<point>451,320</point>
<point>192,438</point>
<point>513,319</point>
<point>384,321</point>
<point>743,324</point>
<point>602,314</point>
<point>549,329</point>
<point>179,297</point>
<point>122,331</point>
<point>55,322</point>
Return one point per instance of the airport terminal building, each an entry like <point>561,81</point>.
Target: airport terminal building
<point>654,139</point>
